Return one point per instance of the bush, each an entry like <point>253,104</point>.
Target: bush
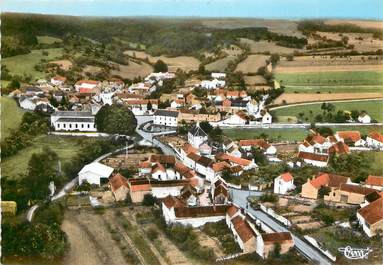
<point>152,234</point>
<point>50,213</point>
<point>149,200</point>
<point>30,239</point>
<point>268,197</point>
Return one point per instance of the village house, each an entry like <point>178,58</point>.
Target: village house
<point>119,187</point>
<point>139,187</point>
<point>266,243</point>
<point>351,138</point>
<point>82,121</point>
<point>375,140</point>
<point>370,217</point>
<point>348,193</point>
<point>141,88</point>
<point>374,182</point>
<point>284,183</point>
<point>176,210</point>
<point>197,136</point>
<point>311,188</point>
<point>165,118</point>
<point>218,75</point>
<point>142,106</point>
<point>94,173</point>
<point>212,84</point>
<point>316,149</point>
<point>219,192</point>
<point>236,161</point>
<point>262,144</point>
<point>156,77</point>
<point>58,80</point>
<point>86,85</point>
<point>239,118</point>
<point>193,116</point>
<point>243,233</point>
<point>160,167</point>
<point>364,118</point>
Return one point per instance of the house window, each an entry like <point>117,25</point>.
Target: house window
<point>88,126</point>
<point>70,125</point>
<point>75,125</point>
<point>58,125</point>
<point>64,125</point>
<point>82,125</point>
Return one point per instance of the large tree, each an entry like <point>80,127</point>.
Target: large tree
<point>42,169</point>
<point>160,66</point>
<point>116,119</point>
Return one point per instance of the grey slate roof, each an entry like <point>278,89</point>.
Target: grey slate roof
<point>197,131</point>
<point>76,120</point>
<point>168,113</point>
<point>73,114</point>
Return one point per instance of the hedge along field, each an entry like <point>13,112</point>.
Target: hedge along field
<point>347,81</point>
<point>374,108</point>
<point>24,64</point>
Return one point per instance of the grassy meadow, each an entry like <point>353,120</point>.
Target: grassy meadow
<point>65,147</point>
<point>47,40</point>
<point>25,63</point>
<point>276,134</point>
<point>11,115</point>
<point>374,108</point>
<point>335,82</point>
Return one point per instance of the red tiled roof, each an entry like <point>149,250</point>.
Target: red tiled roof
<point>141,101</point>
<point>287,177</point>
<point>376,136</point>
<point>218,167</point>
<point>312,156</point>
<point>163,159</point>
<point>256,142</point>
<point>281,237</point>
<point>145,164</point>
<point>60,78</point>
<point>232,210</point>
<point>93,82</point>
<point>356,189</point>
<point>201,211</point>
<point>171,201</point>
<point>233,159</point>
<point>188,148</point>
<point>374,180</point>
<point>373,212</point>
<point>317,138</point>
<point>158,167</point>
<point>194,157</point>
<point>326,179</point>
<point>243,229</point>
<point>353,136</point>
<point>116,181</point>
<point>339,148</point>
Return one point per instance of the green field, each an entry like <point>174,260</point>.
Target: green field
<point>335,82</point>
<point>374,108</point>
<point>24,64</point>
<point>11,115</point>
<point>273,134</point>
<point>47,40</point>
<point>290,135</point>
<point>66,148</point>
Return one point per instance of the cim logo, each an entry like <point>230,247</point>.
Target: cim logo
<point>355,253</point>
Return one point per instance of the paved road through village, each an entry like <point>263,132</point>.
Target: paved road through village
<point>239,197</point>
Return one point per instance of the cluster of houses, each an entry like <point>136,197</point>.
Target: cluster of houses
<point>317,150</point>
<point>341,190</point>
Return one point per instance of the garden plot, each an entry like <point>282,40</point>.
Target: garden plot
<point>266,46</point>
<point>252,63</point>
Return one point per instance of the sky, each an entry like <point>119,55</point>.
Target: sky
<point>361,9</point>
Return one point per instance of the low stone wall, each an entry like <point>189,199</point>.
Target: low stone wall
<point>315,244</point>
<point>278,217</point>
